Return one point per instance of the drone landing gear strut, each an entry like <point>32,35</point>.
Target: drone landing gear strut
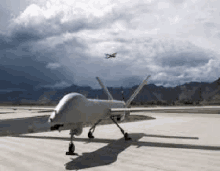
<point>126,136</point>
<point>92,129</point>
<point>71,145</point>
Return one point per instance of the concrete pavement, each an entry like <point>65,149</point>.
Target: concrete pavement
<point>177,142</point>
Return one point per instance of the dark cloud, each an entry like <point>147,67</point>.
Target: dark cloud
<point>4,41</point>
<point>183,59</point>
<point>20,67</point>
<point>16,38</point>
<point>181,55</point>
<point>22,36</point>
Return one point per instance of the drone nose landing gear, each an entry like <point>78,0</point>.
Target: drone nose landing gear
<point>71,145</point>
<point>71,149</point>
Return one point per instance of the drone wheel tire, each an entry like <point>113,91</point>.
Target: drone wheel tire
<point>90,135</point>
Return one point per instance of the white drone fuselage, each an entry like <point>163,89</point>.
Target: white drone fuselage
<point>74,109</point>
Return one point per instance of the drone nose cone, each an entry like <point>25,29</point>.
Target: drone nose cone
<point>52,116</point>
<point>50,120</point>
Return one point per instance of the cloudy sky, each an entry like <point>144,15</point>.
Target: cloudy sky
<point>60,42</point>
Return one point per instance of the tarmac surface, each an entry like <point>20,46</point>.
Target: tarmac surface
<point>171,142</point>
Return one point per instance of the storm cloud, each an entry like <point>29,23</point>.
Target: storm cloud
<point>57,43</point>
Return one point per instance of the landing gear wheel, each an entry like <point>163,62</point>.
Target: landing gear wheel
<point>127,137</point>
<point>90,135</point>
<point>71,149</point>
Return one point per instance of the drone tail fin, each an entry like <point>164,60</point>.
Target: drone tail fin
<point>105,89</point>
<point>106,56</point>
<point>136,92</point>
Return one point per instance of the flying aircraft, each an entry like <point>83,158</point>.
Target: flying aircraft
<point>74,109</point>
<point>110,55</point>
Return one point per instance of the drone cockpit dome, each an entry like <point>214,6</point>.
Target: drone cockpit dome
<point>68,105</point>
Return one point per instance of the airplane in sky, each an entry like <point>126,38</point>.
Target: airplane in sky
<point>74,109</point>
<point>110,55</point>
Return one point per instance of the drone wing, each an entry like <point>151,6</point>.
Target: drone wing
<point>114,54</point>
<point>158,109</point>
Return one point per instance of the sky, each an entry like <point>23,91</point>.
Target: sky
<point>56,43</point>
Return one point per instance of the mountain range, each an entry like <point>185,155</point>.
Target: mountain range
<point>188,93</point>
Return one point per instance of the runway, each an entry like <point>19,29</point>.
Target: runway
<point>171,142</point>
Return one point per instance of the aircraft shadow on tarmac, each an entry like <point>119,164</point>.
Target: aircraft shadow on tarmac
<point>109,153</point>
<point>35,124</point>
<point>24,125</point>
<point>6,112</point>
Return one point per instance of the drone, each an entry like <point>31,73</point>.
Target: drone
<point>110,55</point>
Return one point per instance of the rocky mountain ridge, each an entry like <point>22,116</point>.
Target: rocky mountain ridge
<point>188,93</point>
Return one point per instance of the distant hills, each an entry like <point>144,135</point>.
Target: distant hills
<point>189,93</point>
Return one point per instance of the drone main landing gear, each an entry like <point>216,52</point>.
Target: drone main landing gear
<point>92,129</point>
<point>126,136</point>
<point>71,145</point>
